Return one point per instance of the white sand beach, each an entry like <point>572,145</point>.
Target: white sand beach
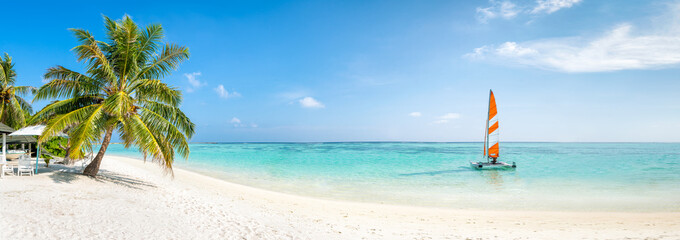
<point>134,200</point>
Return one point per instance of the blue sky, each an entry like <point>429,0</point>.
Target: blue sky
<point>562,70</point>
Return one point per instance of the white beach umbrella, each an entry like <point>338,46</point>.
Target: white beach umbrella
<point>35,130</point>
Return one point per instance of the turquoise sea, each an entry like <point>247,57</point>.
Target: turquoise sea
<point>549,176</point>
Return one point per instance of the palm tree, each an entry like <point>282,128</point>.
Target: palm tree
<point>13,108</point>
<point>120,90</point>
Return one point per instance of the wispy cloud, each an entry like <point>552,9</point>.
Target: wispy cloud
<point>618,49</point>
<point>551,6</point>
<point>292,96</point>
<point>446,118</point>
<point>504,9</point>
<point>194,83</point>
<point>509,10</point>
<point>512,49</point>
<point>310,102</point>
<point>415,114</point>
<point>238,124</point>
<point>223,93</point>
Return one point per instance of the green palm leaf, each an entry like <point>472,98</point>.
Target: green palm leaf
<point>169,59</point>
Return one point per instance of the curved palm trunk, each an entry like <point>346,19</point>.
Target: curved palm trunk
<point>93,168</point>
<point>66,148</point>
<point>67,159</point>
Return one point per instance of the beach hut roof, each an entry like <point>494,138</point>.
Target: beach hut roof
<point>35,130</point>
<point>20,139</point>
<point>5,129</point>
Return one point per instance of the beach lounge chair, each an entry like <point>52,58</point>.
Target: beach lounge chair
<point>7,169</point>
<point>25,166</point>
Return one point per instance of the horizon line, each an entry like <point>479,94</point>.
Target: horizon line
<point>237,142</point>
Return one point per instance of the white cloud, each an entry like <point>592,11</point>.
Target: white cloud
<point>193,81</point>
<point>504,9</point>
<point>238,124</point>
<point>509,10</point>
<point>617,49</point>
<point>293,95</point>
<point>415,114</point>
<point>450,116</point>
<point>309,102</point>
<point>512,49</point>
<point>223,93</point>
<point>551,6</point>
<point>477,53</point>
<point>446,118</point>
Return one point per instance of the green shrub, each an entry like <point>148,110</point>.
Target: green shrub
<point>54,146</point>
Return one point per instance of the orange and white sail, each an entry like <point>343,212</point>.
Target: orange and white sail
<point>491,137</point>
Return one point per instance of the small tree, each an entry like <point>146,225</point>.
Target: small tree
<point>13,108</point>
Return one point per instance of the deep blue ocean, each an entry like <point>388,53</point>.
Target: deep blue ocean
<point>549,176</point>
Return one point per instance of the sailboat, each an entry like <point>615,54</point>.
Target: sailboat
<point>491,141</point>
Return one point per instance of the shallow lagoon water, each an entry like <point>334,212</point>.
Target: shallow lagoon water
<point>550,176</point>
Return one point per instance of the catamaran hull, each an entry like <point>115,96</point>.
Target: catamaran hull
<point>488,165</point>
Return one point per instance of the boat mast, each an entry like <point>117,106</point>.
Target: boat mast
<point>486,130</point>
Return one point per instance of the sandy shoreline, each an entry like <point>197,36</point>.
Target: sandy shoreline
<point>133,200</point>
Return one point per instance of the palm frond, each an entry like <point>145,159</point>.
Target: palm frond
<point>149,142</point>
<point>149,43</point>
<point>14,109</point>
<point>118,105</point>
<point>66,83</point>
<point>12,114</point>
<point>155,90</point>
<point>63,107</point>
<point>24,105</point>
<point>17,114</point>
<point>169,59</point>
<point>25,90</point>
<point>60,72</point>
<point>172,114</point>
<point>3,75</point>
<point>60,122</point>
<point>125,48</point>
<point>86,124</point>
<point>171,133</point>
<point>7,73</point>
<point>93,55</point>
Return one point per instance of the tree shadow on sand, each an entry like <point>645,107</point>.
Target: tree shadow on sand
<point>60,173</point>
<point>122,179</point>
<point>66,174</point>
